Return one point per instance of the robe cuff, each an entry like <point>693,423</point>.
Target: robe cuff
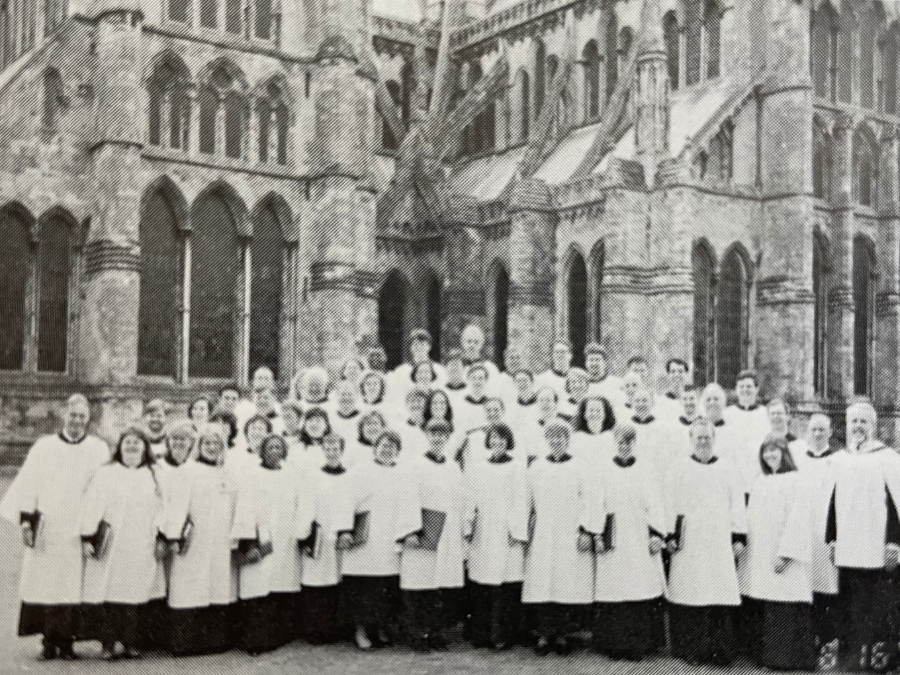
<point>738,538</point>
<point>30,519</point>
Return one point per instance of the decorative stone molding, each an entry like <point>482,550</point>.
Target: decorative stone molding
<point>534,294</point>
<point>108,256</point>
<point>332,276</point>
<point>841,297</point>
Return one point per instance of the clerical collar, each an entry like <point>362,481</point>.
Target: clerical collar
<point>646,420</point>
<point>598,380</point>
<point>272,414</point>
<point>685,421</point>
<point>348,417</point>
<point>269,467</point>
<point>559,373</point>
<point>559,460</point>
<point>334,470</point>
<point>829,450</point>
<point>624,463</point>
<point>470,362</point>
<point>455,387</point>
<point>477,401</point>
<point>413,423</point>
<point>320,401</point>
<point>790,438</point>
<point>207,461</point>
<point>671,396</point>
<point>435,458</point>
<point>70,441</point>
<point>719,423</point>
<point>529,401</point>
<point>711,460</point>
<point>749,408</point>
<point>157,440</point>
<point>171,461</point>
<point>572,401</point>
<point>502,459</point>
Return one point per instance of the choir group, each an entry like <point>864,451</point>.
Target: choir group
<point>545,509</point>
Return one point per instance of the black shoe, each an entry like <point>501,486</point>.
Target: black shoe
<point>48,652</point>
<point>66,653</point>
<point>420,644</point>
<point>562,647</point>
<point>437,641</point>
<point>542,647</point>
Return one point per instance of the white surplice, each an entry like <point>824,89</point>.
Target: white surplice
<point>329,493</point>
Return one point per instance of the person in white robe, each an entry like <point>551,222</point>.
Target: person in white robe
<point>269,505</point>
<point>431,578</point>
<point>774,572</point>
<point>592,442</point>
<point>373,391</point>
<point>472,343</point>
<point>556,376</point>
<point>345,419</point>
<point>245,454</point>
<point>749,422</point>
<point>227,424</point>
<point>45,500</point>
<point>456,385</point>
<point>864,528</point>
<point>600,382</point>
<point>315,388</point>
<point>307,453</point>
<point>727,445</point>
<point>400,380</point>
<point>229,397</point>
<point>669,406</point>
<point>199,411</point>
<point>122,548</point>
<point>506,386</point>
<point>369,430</point>
<point>524,404</point>
<point>496,560</point>
<point>331,522</point>
<point>473,446</point>
<point>547,408</point>
<point>408,421</point>
<point>819,460</point>
<point>352,371</point>
<point>629,582</point>
<point>376,359</point>
<point>654,445</point>
<point>556,518</point>
<point>386,509</point>
<point>707,534</point>
<point>155,414</point>
<point>292,417</point>
<point>469,414</point>
<point>690,410</point>
<point>576,392</point>
<point>262,401</point>
<point>630,385</point>
<point>203,579</point>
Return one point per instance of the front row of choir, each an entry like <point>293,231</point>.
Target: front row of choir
<point>194,554</point>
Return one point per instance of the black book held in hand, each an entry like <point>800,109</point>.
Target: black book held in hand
<point>186,533</point>
<point>266,549</point>
<point>312,545</point>
<point>102,538</point>
<point>360,531</point>
<point>432,528</point>
<point>608,537</point>
<point>33,520</point>
<point>679,532</point>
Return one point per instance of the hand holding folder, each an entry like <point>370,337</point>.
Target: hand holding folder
<point>676,540</point>
<point>30,523</point>
<point>312,545</point>
<point>432,529</point>
<point>360,533</point>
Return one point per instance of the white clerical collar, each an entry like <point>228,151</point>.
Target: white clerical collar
<point>71,441</point>
<point>868,447</point>
<point>827,452</point>
<point>748,408</point>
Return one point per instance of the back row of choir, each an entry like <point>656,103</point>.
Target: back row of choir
<point>531,507</point>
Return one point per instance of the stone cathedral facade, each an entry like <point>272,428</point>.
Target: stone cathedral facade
<point>190,189</point>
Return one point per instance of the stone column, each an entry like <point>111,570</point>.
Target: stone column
<point>840,300</point>
<point>886,385</point>
<point>532,246</point>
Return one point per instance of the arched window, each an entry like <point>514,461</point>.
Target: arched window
<point>15,263</point>
<point>525,103</point>
<point>215,275</point>
<point>235,121</point>
<point>731,318</point>
<point>598,265</point>
<point>159,322</point>
<point>820,286</point>
<point>274,124</point>
<point>865,169</point>
<point>713,29</point>
<point>693,41</point>
<point>611,52</point>
<point>388,141</point>
<point>179,10</point>
<point>889,55</point>
<point>863,322</point>
<point>844,59</point>
<point>823,51</point>
<point>55,265</point>
<point>577,286</point>
<point>170,104</point>
<point>433,314</point>
<point>54,98</point>
<point>267,270</point>
<point>392,317</point>
<point>822,163</point>
<point>703,265</point>
<point>540,78</point>
<point>591,58</point>
<point>869,26</point>
<point>720,159</point>
<point>223,94</point>
<point>498,304</point>
<point>626,39</point>
<point>672,36</point>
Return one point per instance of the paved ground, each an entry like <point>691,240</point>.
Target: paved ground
<point>19,655</point>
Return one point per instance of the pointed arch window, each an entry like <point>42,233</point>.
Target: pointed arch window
<point>693,41</point>
<point>170,105</point>
<point>865,169</point>
<point>498,311</point>
<point>540,78</point>
<point>822,163</point>
<point>16,280</point>
<point>267,290</point>
<point>388,140</point>
<point>703,265</point>
<point>820,287</point>
<point>864,317</point>
<point>525,107</point>
<point>590,56</point>
<point>869,26</point>
<point>823,52</point>
<point>223,110</point>
<point>576,294</point>
<point>274,124</point>
<point>392,316</point>
<point>611,52</point>
<point>672,37</point>
<point>732,305</point>
<point>890,52</point>
<point>713,30</point>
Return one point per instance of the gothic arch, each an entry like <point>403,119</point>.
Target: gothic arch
<point>166,61</point>
<point>732,315</point>
<point>177,202</point>
<point>237,208</point>
<point>433,310</point>
<point>822,160</point>
<point>17,230</point>
<point>865,166</point>
<point>59,235</point>
<point>498,286</point>
<point>393,297</point>
<point>271,218</point>
<point>703,264</point>
<point>821,255</point>
<point>672,39</point>
<point>864,286</point>
<point>596,272</point>
<point>590,57</point>
<point>576,302</point>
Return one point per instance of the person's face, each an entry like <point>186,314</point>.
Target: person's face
<point>562,358</point>
<point>416,407</point>
<point>640,369</point>
<point>630,387</point>
<point>746,391</point>
<point>546,402</point>
<point>180,447</point>
<point>211,448</point>
<point>439,407</point>
<point>493,411</point>
<point>156,421</point>
<point>558,442</point>
<point>347,399</point>
<point>76,420</point>
<point>594,413</point>
<point>578,387</point>
<point>772,457</point>
<point>703,441</point>
<point>132,451</point>
<point>524,384</point>
<point>228,400</point>
<point>860,427</point>
<point>778,419</point>
<point>273,453</point>
<point>436,441</point>
<point>291,420</point>
<point>386,452</point>
<point>333,451</point>
<point>419,350</point>
<point>372,429</point>
<point>819,431</point>
<point>497,445</point>
<point>642,404</point>
<point>471,345</point>
<point>256,432</point>
<point>423,377</point>
<point>264,398</point>
<point>596,366</point>
<point>513,362</point>
<point>677,377</point>
<point>315,426</point>
<point>200,411</point>
<point>455,371</point>
<point>625,447</point>
<point>689,401</point>
<point>352,370</point>
<point>263,379</point>
<point>478,380</point>
<point>713,406</point>
<point>315,389</point>
<point>371,389</point>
